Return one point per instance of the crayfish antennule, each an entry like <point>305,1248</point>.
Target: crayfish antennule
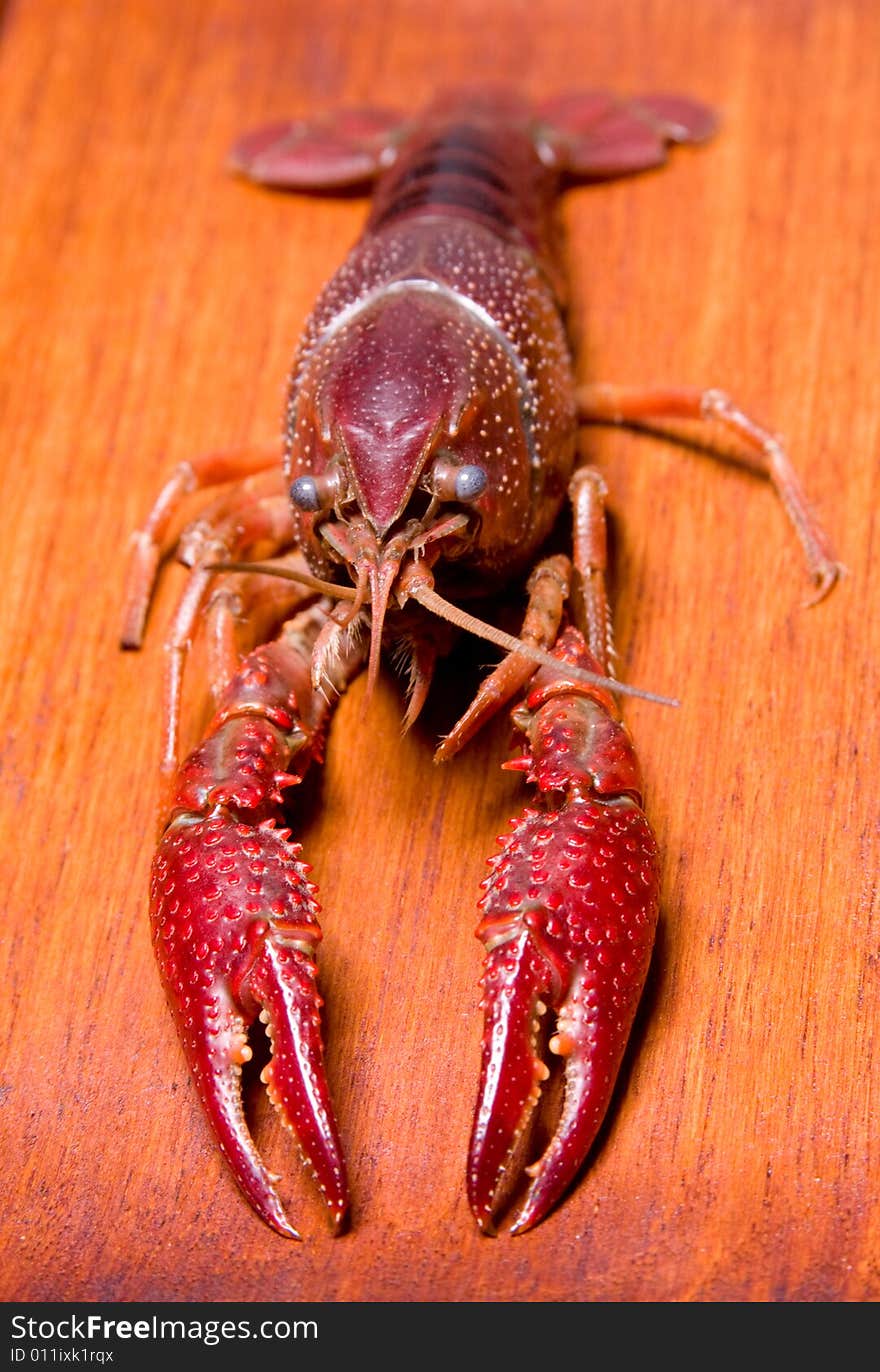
<point>381,577</point>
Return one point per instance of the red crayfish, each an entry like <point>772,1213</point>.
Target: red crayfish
<point>430,444</point>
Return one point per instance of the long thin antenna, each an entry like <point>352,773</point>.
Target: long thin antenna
<point>445,609</point>
<point>314,583</point>
<point>462,620</point>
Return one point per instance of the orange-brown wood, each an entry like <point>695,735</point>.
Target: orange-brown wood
<point>150,304</point>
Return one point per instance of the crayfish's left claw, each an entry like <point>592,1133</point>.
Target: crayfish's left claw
<point>570,912</point>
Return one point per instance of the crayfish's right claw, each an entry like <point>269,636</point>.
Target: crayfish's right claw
<point>235,928</point>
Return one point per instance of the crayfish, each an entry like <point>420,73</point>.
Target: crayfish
<point>430,446</point>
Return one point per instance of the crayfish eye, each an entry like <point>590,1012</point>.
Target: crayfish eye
<point>470,481</point>
<point>314,494</point>
<point>304,494</point>
<point>450,481</point>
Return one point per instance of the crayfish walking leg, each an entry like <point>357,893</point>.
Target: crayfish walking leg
<point>570,908</point>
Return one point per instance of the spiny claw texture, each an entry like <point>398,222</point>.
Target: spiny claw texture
<point>569,917</point>
<point>235,929</point>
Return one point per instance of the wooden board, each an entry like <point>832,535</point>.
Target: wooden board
<point>150,305</point>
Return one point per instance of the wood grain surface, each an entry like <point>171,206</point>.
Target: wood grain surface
<point>150,306</point>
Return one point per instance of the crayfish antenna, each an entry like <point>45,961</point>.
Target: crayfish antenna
<point>434,602</point>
